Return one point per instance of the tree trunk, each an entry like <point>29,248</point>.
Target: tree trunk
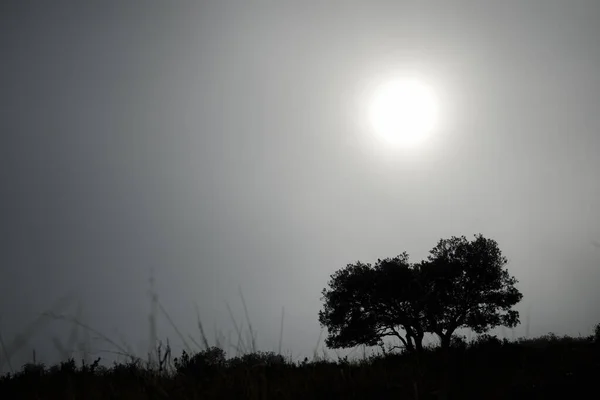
<point>409,343</point>
<point>415,337</point>
<point>445,338</point>
<point>419,342</point>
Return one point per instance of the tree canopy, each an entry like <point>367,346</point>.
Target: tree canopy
<point>462,284</point>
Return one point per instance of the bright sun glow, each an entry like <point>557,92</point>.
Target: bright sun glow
<point>403,112</point>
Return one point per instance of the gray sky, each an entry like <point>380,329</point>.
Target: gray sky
<point>221,145</point>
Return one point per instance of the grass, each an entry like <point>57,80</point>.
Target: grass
<point>484,367</point>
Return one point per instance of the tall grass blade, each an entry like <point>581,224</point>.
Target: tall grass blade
<point>177,331</point>
<point>6,356</point>
<point>252,333</point>
<point>236,327</point>
<point>195,343</point>
<point>315,352</point>
<point>87,328</point>
<point>281,330</point>
<point>201,328</point>
<point>62,351</point>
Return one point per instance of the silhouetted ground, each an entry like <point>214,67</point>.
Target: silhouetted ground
<point>547,367</point>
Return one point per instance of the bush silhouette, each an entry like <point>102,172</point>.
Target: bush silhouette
<point>200,363</point>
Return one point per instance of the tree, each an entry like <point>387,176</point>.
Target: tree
<point>366,303</point>
<point>401,297</point>
<point>469,287</point>
<point>461,284</point>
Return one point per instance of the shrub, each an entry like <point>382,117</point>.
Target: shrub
<point>33,369</point>
<point>259,358</point>
<point>487,342</point>
<point>201,362</point>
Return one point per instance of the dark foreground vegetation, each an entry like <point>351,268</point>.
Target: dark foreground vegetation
<point>463,284</point>
<point>486,368</point>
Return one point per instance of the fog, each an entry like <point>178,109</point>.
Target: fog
<point>220,146</point>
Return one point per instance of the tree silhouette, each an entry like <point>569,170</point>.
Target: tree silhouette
<point>366,303</point>
<point>468,287</point>
<point>461,284</point>
<point>401,297</point>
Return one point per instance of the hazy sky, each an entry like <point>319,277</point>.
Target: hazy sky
<point>222,144</point>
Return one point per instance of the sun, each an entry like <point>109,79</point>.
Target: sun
<point>403,112</point>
